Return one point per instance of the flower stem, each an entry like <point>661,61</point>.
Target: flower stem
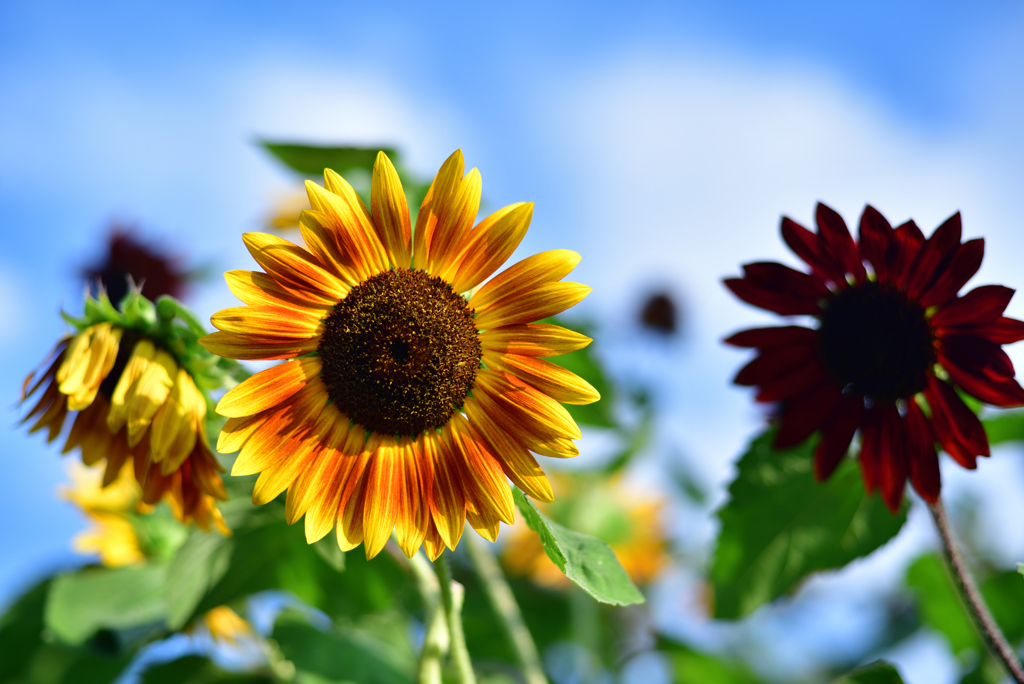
<point>435,641</point>
<point>504,604</point>
<point>971,597</point>
<point>451,599</point>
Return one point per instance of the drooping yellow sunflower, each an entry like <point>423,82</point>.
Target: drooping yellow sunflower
<point>406,404</point>
<point>111,534</point>
<point>132,402</point>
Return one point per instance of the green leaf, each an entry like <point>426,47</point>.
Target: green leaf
<point>938,603</point>
<point>586,560</point>
<point>1020,568</point>
<point>311,160</point>
<point>779,526</point>
<point>693,667</point>
<point>328,549</point>
<point>195,669</point>
<point>1007,426</point>
<point>83,602</point>
<point>342,654</point>
<point>21,629</point>
<point>197,567</point>
<point>878,672</point>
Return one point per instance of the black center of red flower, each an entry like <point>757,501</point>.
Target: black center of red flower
<point>876,342</point>
<point>400,352</point>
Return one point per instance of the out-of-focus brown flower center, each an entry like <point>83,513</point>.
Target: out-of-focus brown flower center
<point>876,342</point>
<point>400,352</point>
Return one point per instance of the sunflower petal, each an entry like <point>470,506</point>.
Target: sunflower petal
<point>525,276</point>
<point>268,388</point>
<point>560,384</point>
<point>390,211</point>
<point>543,301</point>
<point>245,347</point>
<point>292,266</point>
<point>533,339</point>
<point>438,194</point>
<point>454,221</point>
<point>490,244</point>
<point>259,289</point>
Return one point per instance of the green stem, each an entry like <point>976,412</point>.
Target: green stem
<point>504,604</point>
<point>435,641</point>
<point>451,599</point>
<point>972,599</point>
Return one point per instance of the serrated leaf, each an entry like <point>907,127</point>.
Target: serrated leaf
<point>81,603</point>
<point>311,160</point>
<point>779,526</point>
<point>586,560</point>
<point>878,672</point>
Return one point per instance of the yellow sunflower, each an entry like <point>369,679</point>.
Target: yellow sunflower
<point>132,403</point>
<point>112,535</point>
<point>407,401</point>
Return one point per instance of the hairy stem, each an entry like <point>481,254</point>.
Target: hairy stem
<point>504,603</point>
<point>971,597</point>
<point>435,640</point>
<point>451,599</point>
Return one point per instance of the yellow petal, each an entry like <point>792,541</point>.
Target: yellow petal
<point>292,266</point>
<point>348,224</point>
<point>247,347</point>
<point>391,211</point>
<point>448,499</point>
<point>259,289</point>
<point>543,301</point>
<point>558,383</point>
<point>533,339</point>
<point>414,509</point>
<point>490,244</point>
<point>268,388</point>
<point>138,362</point>
<point>148,394</point>
<point>516,404</point>
<point>282,431</point>
<point>485,482</point>
<point>514,458</point>
<point>174,426</point>
<point>455,217</point>
<point>525,276</point>
<point>441,188</point>
<point>383,495</point>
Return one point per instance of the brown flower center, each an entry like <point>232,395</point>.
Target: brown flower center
<point>876,342</point>
<point>400,352</point>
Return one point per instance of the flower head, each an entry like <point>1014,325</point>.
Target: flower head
<point>406,404</point>
<point>129,261</point>
<point>112,534</point>
<point>893,347</point>
<point>131,401</point>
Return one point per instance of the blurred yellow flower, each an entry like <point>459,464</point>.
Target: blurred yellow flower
<point>226,626</point>
<point>286,211</point>
<point>132,404</point>
<point>112,534</point>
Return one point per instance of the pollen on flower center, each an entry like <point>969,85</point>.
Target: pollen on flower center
<point>877,342</point>
<point>400,352</point>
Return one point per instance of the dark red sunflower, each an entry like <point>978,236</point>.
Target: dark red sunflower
<point>893,344</point>
<point>128,260</point>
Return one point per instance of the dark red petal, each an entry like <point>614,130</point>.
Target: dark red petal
<point>934,256</point>
<point>958,430</point>
<point>837,241</point>
<point>893,458</point>
<point>966,262</point>
<point>870,448</point>
<point>772,301</point>
<point>924,462</point>
<point>774,362</point>
<point>876,242</point>
<point>805,245</point>
<point>1001,331</point>
<point>791,384</point>
<point>979,306</point>
<point>783,279</point>
<point>976,382</point>
<point>977,356</point>
<point>909,240</point>
<point>806,414</point>
<point>772,337</point>
<point>836,435</point>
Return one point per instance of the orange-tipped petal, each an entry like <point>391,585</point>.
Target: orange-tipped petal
<point>533,339</point>
<point>391,211</point>
<point>292,266</point>
<point>543,301</point>
<point>268,388</point>
<point>490,244</point>
<point>538,269</point>
<point>558,383</point>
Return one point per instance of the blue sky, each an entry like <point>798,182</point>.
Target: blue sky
<point>661,141</point>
